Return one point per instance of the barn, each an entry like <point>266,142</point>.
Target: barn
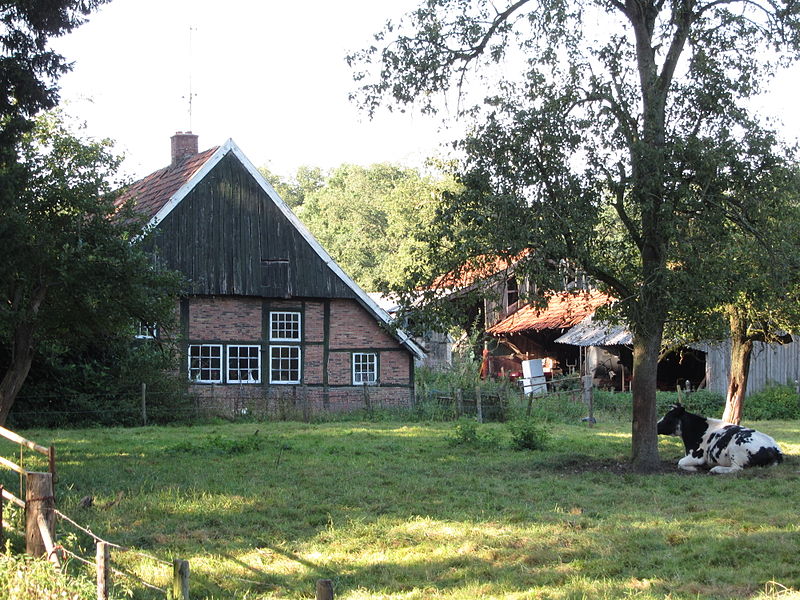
<point>269,318</point>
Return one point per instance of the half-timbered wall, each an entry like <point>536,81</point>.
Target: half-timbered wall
<point>332,332</point>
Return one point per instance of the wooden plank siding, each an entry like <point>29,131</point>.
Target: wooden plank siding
<point>770,364</point>
<point>226,226</point>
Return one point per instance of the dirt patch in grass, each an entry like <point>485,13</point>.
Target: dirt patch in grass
<point>577,464</point>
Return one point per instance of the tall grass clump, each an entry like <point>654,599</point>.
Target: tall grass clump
<point>26,578</point>
<point>528,434</point>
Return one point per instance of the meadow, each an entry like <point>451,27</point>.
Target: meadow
<point>420,510</point>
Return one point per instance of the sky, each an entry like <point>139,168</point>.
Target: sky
<point>270,74</point>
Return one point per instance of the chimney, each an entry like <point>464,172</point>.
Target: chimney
<point>183,144</point>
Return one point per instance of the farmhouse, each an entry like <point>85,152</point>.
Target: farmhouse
<point>269,317</point>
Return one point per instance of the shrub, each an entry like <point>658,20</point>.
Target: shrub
<point>774,402</point>
<point>467,432</point>
<point>620,405</point>
<point>528,434</point>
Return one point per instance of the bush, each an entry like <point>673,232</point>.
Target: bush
<point>620,405</point>
<point>774,402</point>
<point>467,432</point>
<point>528,434</point>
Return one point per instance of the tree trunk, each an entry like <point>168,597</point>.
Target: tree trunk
<point>21,354</point>
<point>22,357</point>
<point>644,442</point>
<point>741,351</point>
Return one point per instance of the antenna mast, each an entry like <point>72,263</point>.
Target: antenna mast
<point>191,94</point>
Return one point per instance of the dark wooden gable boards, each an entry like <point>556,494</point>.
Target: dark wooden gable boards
<point>230,238</point>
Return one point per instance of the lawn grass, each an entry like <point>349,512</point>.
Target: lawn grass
<point>394,510</point>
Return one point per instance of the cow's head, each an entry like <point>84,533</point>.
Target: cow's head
<point>670,423</point>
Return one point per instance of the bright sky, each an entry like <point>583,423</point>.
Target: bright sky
<point>270,74</point>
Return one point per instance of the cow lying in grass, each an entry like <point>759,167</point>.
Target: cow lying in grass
<point>713,443</point>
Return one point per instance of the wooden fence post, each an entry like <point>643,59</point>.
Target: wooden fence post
<point>51,461</point>
<point>103,564</point>
<point>588,397</point>
<point>180,579</point>
<point>39,501</point>
<point>324,589</point>
<point>459,403</point>
<point>478,404</point>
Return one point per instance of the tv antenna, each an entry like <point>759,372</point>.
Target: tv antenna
<point>191,93</point>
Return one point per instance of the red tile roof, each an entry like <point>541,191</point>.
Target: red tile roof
<point>477,269</point>
<point>151,193</point>
<point>564,309</point>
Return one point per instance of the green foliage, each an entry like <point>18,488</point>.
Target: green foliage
<point>70,277</point>
<point>101,384</point>
<point>465,432</point>
<point>528,434</point>
<point>774,402</point>
<point>365,217</point>
<point>557,409</point>
<point>618,406</point>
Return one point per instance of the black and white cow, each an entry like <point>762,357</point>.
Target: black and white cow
<point>724,447</point>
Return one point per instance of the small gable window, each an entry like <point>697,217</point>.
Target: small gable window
<point>365,368</point>
<point>205,363</point>
<point>244,364</point>
<point>284,327</point>
<point>146,331</point>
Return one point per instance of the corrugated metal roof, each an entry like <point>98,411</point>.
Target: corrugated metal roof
<point>596,333</point>
<point>564,309</point>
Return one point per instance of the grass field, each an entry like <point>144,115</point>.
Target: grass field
<point>392,510</point>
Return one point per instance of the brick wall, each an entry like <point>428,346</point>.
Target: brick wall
<point>354,327</point>
<point>238,319</point>
<point>225,319</point>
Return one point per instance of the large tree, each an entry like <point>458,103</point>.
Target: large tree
<point>616,135</point>
<point>764,299</point>
<point>70,269</point>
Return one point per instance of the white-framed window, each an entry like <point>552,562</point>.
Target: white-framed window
<point>205,363</point>
<point>284,327</point>
<point>365,368</point>
<point>244,364</point>
<point>284,364</point>
<point>146,331</point>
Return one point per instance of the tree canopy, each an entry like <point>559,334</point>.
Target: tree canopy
<point>618,137</point>
<point>368,218</point>
<point>70,270</point>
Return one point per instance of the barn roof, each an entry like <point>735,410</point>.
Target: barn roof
<point>156,195</point>
<point>564,309</point>
<point>477,269</point>
<point>596,333</point>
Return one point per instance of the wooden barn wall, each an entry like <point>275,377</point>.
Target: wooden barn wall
<point>220,234</point>
<point>771,363</point>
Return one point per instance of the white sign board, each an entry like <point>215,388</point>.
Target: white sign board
<point>533,381</point>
